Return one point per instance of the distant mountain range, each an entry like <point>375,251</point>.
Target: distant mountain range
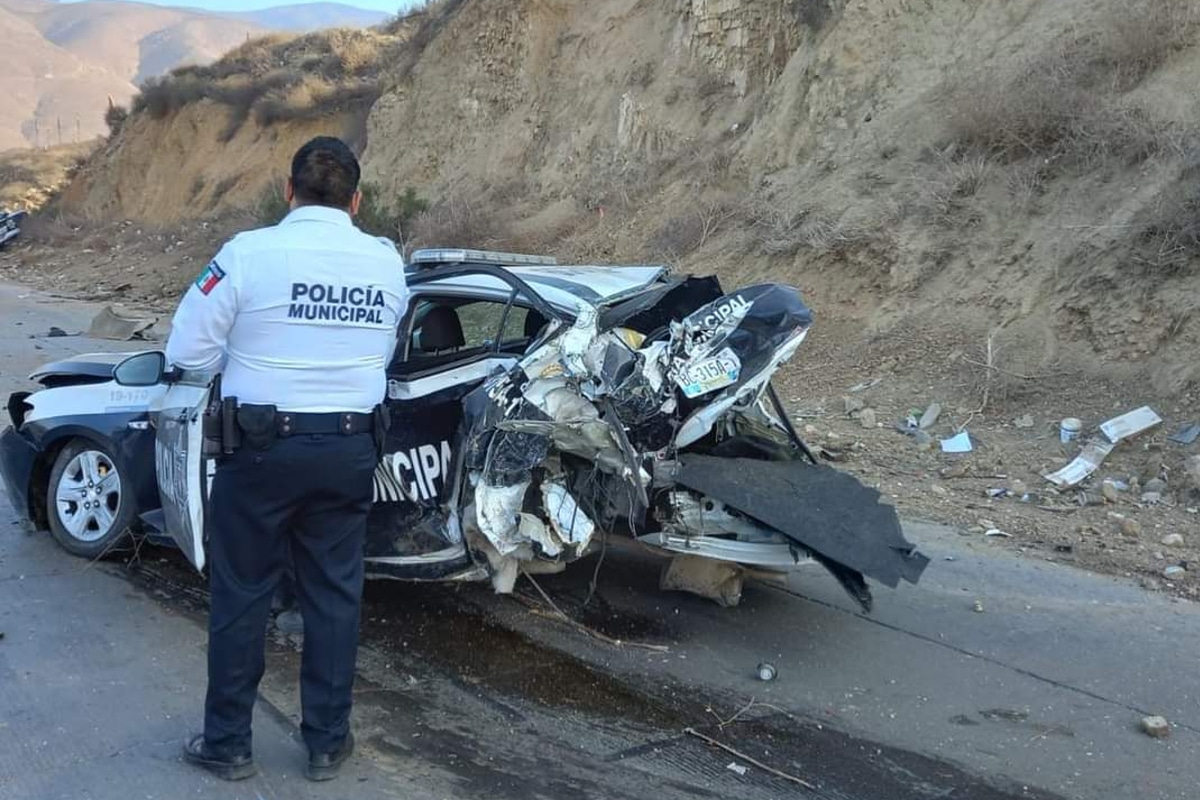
<point>61,62</point>
<point>311,17</point>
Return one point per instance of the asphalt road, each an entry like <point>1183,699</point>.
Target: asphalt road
<point>465,694</point>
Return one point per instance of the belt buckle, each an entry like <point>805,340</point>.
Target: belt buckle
<point>347,424</point>
<point>285,425</point>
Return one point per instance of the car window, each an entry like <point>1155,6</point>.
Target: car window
<point>447,331</point>
<point>482,320</point>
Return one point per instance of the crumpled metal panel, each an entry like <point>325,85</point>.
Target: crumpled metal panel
<point>827,511</point>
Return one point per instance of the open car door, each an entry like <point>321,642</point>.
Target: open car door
<point>180,464</point>
<point>450,342</point>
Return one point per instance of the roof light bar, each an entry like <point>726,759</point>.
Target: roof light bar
<point>460,256</point>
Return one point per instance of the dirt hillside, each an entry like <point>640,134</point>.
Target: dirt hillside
<point>1023,165</point>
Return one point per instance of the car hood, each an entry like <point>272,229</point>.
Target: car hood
<point>88,365</point>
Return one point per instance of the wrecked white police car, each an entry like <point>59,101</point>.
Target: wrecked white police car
<point>536,408</point>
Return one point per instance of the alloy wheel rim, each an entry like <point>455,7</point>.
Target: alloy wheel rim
<point>88,496</point>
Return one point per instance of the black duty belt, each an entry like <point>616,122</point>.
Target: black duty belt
<point>288,423</point>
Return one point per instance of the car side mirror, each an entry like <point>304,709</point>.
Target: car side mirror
<point>143,369</point>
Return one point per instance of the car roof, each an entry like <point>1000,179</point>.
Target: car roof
<point>563,286</point>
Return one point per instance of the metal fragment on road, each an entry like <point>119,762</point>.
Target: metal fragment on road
<point>766,672</point>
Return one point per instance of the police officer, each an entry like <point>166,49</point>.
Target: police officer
<point>299,320</point>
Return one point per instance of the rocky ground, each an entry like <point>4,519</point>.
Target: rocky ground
<point>1138,516</point>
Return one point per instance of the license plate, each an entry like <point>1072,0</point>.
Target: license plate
<point>711,374</point>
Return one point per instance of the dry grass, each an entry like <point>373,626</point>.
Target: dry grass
<point>1168,240</point>
<point>281,78</point>
<point>1066,107</point>
<point>781,228</point>
<point>457,220</point>
<point>314,98</point>
<point>1135,38</point>
<point>29,178</point>
<point>686,233</point>
<point>945,195</point>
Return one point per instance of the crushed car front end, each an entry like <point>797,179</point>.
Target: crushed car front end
<point>655,416</point>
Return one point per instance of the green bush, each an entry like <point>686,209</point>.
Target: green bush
<point>379,218</point>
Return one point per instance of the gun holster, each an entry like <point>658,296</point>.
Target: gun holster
<point>257,425</point>
<point>219,426</point>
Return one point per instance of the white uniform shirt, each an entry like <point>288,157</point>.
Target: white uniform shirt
<point>302,316</point>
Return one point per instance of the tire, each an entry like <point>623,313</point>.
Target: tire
<point>89,503</point>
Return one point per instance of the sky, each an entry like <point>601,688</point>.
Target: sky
<point>388,6</point>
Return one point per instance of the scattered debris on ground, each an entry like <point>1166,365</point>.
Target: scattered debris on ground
<point>1156,727</point>
<point>121,324</point>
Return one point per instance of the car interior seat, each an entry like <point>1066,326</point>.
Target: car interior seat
<point>441,331</point>
<point>534,322</point>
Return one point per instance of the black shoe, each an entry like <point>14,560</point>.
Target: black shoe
<point>325,766</point>
<point>195,751</point>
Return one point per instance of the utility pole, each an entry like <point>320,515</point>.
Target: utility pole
<point>59,121</point>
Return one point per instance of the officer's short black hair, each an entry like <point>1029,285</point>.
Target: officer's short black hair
<point>325,173</point>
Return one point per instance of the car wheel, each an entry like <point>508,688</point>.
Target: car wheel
<point>89,504</point>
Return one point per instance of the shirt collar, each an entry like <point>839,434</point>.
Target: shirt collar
<point>317,214</point>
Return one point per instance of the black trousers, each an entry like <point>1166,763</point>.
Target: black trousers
<point>312,493</point>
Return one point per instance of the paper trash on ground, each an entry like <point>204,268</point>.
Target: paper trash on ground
<point>1130,424</point>
<point>1087,462</point>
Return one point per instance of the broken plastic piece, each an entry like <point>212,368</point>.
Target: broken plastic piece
<point>1186,435</point>
<point>497,513</point>
<point>1087,462</point>
<point>930,417</point>
<point>1130,424</point>
<point>568,520</point>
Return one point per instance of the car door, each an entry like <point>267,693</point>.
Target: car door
<point>412,533</point>
<point>182,469</point>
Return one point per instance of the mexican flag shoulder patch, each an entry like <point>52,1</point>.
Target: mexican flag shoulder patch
<point>210,277</point>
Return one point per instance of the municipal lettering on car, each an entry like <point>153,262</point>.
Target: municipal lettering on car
<point>416,474</point>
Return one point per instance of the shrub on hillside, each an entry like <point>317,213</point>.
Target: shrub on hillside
<point>314,98</point>
<point>1168,241</point>
<point>272,206</point>
<point>16,173</point>
<point>454,221</point>
<point>115,117</point>
<point>380,218</point>
<point>1066,107</point>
